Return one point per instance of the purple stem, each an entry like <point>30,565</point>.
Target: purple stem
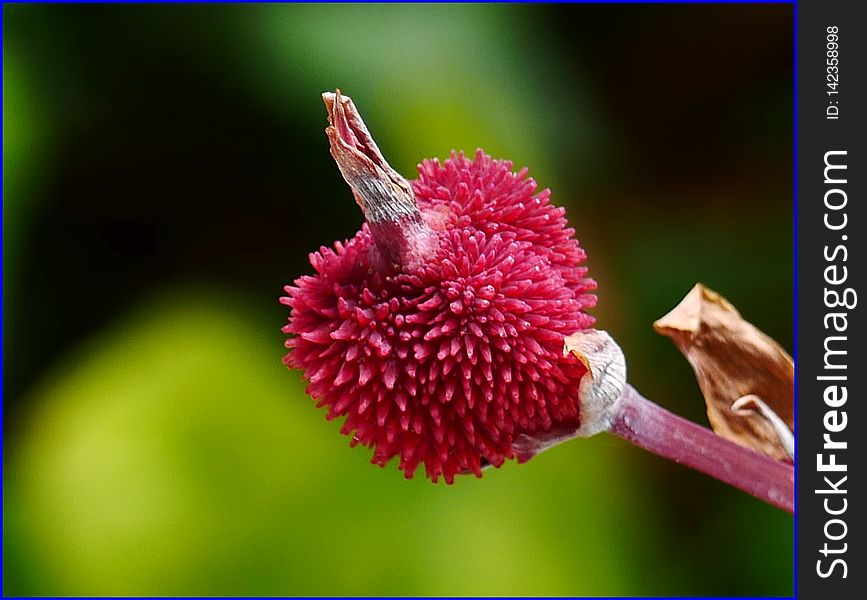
<point>653,428</point>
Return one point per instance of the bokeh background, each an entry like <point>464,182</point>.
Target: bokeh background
<point>166,172</point>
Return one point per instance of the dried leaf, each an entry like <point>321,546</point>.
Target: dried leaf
<point>599,392</point>
<point>600,389</point>
<point>732,359</point>
<point>749,404</point>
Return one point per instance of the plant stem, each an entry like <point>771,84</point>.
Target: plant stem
<point>649,426</point>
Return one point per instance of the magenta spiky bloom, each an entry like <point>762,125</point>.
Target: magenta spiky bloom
<point>437,330</point>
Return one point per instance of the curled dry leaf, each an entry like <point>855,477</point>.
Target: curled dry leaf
<point>748,404</point>
<point>732,359</point>
<point>599,391</point>
<point>601,388</point>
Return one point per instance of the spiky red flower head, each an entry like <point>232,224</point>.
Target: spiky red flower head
<point>437,331</point>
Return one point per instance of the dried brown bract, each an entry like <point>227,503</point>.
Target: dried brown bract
<point>732,359</point>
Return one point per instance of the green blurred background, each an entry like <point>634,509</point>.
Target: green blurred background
<point>166,172</point>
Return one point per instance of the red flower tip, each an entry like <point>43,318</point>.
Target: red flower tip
<point>447,356</point>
